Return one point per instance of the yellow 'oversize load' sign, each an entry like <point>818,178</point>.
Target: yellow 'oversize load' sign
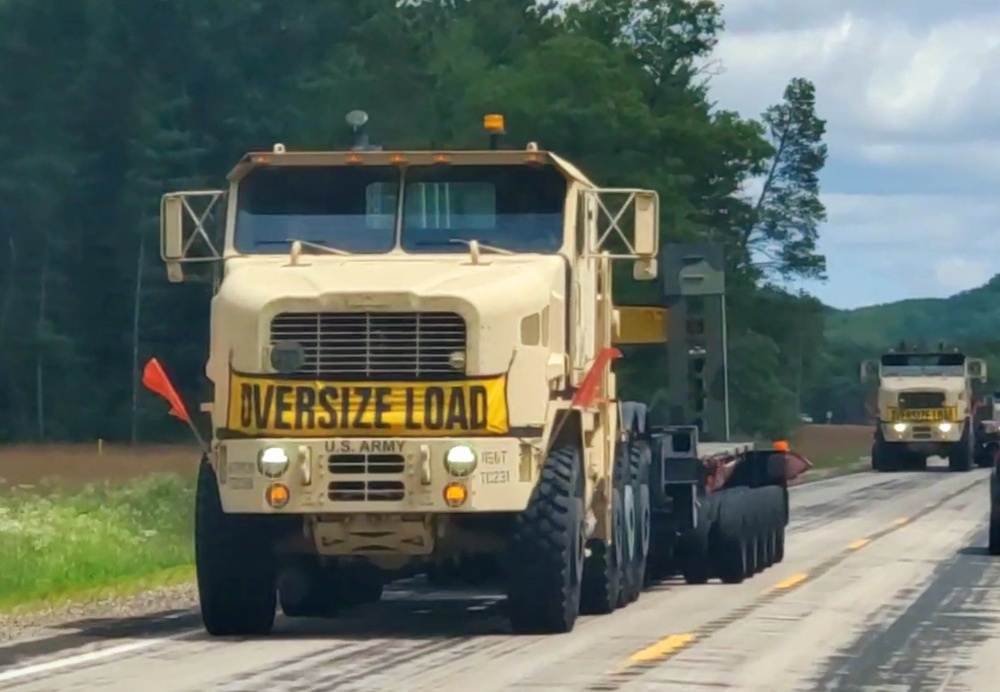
<point>273,407</point>
<point>923,415</point>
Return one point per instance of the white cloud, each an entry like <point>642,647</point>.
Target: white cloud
<point>959,273</point>
<point>910,90</point>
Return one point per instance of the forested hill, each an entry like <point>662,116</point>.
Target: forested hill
<point>968,317</point>
<point>107,104</point>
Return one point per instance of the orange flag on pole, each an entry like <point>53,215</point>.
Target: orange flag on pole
<point>589,390</point>
<point>156,380</point>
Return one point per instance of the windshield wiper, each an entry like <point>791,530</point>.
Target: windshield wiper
<point>318,246</point>
<point>467,243</point>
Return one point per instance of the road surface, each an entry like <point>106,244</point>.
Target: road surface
<point>886,585</point>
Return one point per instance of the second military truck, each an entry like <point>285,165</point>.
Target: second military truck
<point>411,354</point>
<point>925,408</point>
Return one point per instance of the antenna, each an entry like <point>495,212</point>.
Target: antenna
<point>356,120</point>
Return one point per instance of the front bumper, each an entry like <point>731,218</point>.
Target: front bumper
<point>380,475</point>
<point>921,432</point>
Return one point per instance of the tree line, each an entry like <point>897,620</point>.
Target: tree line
<point>109,103</point>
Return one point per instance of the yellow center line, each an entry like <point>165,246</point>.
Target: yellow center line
<point>662,649</point>
<point>858,544</point>
<point>790,583</point>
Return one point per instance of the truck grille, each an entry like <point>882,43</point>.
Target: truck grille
<point>365,477</point>
<point>404,346</point>
<point>366,491</point>
<point>921,400</point>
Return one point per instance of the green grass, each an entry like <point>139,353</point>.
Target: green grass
<point>57,545</point>
<point>838,460</point>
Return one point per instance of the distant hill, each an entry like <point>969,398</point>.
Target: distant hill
<point>969,316</point>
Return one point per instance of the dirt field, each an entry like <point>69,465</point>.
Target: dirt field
<point>74,465</point>
<point>825,441</point>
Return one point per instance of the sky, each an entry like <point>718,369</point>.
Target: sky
<point>910,90</point>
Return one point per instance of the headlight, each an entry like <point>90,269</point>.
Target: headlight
<point>899,427</point>
<point>461,460</point>
<point>272,462</point>
<point>287,356</point>
<point>944,427</point>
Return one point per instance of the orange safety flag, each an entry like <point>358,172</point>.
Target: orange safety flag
<point>156,380</point>
<point>589,390</point>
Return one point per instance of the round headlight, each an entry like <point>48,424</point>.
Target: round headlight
<point>287,356</point>
<point>272,461</point>
<point>461,460</point>
<point>944,427</point>
<point>899,427</point>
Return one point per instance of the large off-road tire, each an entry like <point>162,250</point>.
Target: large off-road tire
<point>546,550</point>
<point>989,456</point>
<point>729,544</point>
<point>235,567</point>
<point>603,571</point>
<point>960,458</point>
<point>635,567</point>
<point>885,458</point>
<point>693,546</point>
<point>994,537</point>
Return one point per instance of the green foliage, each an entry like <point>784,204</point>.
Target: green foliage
<point>110,103</point>
<point>56,544</point>
<point>969,316</point>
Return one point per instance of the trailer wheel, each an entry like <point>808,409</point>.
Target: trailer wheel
<point>693,546</point>
<point>635,567</point>
<point>779,545</point>
<point>546,551</point>
<point>730,545</point>
<point>236,572</point>
<point>603,571</point>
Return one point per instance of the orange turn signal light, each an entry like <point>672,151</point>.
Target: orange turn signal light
<point>455,494</point>
<point>277,495</point>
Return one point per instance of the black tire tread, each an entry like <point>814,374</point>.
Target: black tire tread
<point>236,578</point>
<point>541,595</point>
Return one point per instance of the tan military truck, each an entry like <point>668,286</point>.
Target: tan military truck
<point>925,408</point>
<point>411,358</point>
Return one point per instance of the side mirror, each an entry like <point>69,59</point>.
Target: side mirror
<point>646,242</point>
<point>172,236</point>
<point>869,371</point>
<point>175,210</point>
<point>644,269</point>
<point>976,368</point>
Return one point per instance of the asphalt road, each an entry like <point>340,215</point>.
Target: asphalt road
<point>886,585</point>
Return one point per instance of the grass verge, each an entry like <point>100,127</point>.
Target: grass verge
<point>106,538</point>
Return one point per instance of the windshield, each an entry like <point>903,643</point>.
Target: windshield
<point>353,208</point>
<point>923,364</point>
<point>516,208</point>
<point>347,208</point>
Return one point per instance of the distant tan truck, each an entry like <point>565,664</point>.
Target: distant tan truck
<point>411,356</point>
<point>925,408</point>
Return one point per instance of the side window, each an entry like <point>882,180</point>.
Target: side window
<point>380,206</point>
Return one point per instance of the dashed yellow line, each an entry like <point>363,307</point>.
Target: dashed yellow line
<point>790,583</point>
<point>663,649</point>
<point>858,544</point>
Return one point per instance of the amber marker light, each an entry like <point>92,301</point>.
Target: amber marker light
<point>277,495</point>
<point>455,494</point>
